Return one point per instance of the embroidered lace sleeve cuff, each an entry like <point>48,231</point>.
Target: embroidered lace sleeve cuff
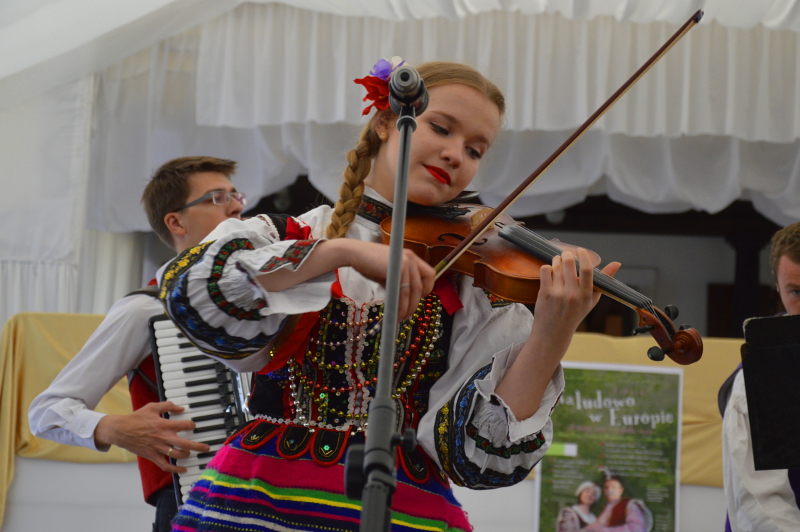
<point>211,294</point>
<point>497,417</point>
<point>239,284</point>
<point>241,250</point>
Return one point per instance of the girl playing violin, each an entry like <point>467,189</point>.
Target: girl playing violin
<point>298,300</point>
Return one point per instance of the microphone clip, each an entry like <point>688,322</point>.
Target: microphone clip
<point>407,89</point>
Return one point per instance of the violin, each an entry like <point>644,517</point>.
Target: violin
<point>506,259</point>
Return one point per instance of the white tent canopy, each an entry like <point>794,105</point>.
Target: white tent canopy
<point>95,95</point>
<point>45,43</point>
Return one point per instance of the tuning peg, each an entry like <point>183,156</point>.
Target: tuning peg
<point>684,326</point>
<point>643,329</point>
<point>656,354</point>
<point>671,311</point>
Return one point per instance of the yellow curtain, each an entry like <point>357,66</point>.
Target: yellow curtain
<point>35,346</point>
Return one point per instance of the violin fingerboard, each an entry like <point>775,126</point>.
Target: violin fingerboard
<point>544,250</point>
<point>533,243</point>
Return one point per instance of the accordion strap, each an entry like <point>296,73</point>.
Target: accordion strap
<point>152,291</point>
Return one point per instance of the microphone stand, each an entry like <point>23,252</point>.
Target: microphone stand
<point>377,454</point>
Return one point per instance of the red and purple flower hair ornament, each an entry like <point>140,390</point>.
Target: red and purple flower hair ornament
<point>377,83</point>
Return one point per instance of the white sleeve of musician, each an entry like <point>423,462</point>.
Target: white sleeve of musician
<point>64,412</point>
<point>211,292</point>
<point>758,501</point>
<point>468,430</point>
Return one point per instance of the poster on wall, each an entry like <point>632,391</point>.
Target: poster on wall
<point>614,459</point>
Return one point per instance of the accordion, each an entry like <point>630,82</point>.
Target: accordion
<point>213,396</point>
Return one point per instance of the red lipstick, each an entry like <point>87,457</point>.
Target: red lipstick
<point>439,174</point>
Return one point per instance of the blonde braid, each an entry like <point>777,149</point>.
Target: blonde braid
<point>352,189</point>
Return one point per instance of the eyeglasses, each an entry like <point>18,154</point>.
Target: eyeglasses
<point>219,197</point>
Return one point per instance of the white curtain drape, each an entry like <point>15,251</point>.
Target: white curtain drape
<point>110,267</point>
<point>774,14</point>
<point>46,43</point>
<point>272,64</point>
<point>48,263</point>
<point>144,115</point>
<point>41,206</point>
<point>271,87</point>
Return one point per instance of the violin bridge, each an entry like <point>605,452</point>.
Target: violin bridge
<point>479,216</point>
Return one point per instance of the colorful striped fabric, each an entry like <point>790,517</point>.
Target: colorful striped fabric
<point>255,490</point>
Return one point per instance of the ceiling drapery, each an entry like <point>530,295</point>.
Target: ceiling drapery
<point>271,65</point>
<point>773,14</point>
<point>46,43</point>
<point>271,86</point>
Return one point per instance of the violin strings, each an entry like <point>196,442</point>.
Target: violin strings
<point>546,250</point>
<point>602,280</point>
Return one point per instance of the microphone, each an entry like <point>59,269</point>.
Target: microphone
<point>407,88</point>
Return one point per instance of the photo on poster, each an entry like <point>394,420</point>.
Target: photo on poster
<point>614,459</point>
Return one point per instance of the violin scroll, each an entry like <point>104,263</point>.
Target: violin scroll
<point>684,346</point>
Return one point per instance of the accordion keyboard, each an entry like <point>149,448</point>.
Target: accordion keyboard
<point>211,393</point>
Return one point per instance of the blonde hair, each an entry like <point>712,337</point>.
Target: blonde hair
<point>359,160</point>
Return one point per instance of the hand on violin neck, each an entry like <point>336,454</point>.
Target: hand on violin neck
<point>565,298</point>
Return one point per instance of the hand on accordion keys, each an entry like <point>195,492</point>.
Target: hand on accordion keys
<point>211,399</point>
<point>147,434</point>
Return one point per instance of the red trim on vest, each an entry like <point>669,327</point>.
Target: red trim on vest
<point>295,345</point>
<point>336,287</point>
<point>619,513</point>
<point>448,296</point>
<point>295,231</point>
<point>154,479</point>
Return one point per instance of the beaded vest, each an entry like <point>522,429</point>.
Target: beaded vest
<point>332,385</point>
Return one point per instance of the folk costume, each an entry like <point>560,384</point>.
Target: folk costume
<point>285,470</point>
<point>573,518</point>
<point>623,515</point>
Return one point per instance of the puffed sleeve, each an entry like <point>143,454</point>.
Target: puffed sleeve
<point>471,433</point>
<point>211,294</point>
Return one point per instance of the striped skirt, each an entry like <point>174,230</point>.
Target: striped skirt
<point>255,488</point>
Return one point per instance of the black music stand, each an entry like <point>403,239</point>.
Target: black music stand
<point>771,365</point>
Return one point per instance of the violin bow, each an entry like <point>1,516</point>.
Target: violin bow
<point>453,256</point>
